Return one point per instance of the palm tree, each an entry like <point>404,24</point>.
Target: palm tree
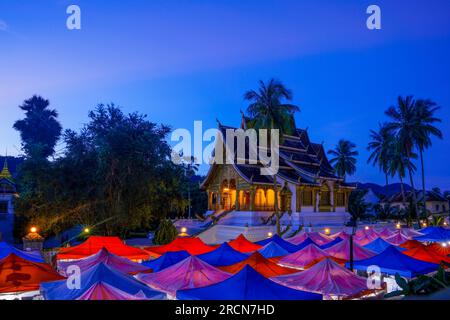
<point>267,110</point>
<point>379,145</point>
<point>190,169</point>
<point>344,161</point>
<point>425,118</point>
<point>404,126</point>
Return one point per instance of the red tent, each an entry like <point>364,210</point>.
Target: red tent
<point>194,246</point>
<point>95,243</point>
<point>441,249</point>
<point>241,244</point>
<point>425,254</point>
<point>20,275</point>
<point>262,265</point>
<point>411,244</point>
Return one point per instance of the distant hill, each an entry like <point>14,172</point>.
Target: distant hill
<point>385,191</point>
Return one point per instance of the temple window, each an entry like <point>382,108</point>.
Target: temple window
<point>307,198</point>
<point>340,199</point>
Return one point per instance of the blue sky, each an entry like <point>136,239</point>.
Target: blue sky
<point>186,60</point>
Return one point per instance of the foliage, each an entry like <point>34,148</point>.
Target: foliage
<point>386,211</point>
<point>344,161</point>
<point>357,206</point>
<point>165,233</point>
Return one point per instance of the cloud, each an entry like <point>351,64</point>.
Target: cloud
<point>3,26</point>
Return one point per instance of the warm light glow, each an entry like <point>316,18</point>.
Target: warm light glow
<point>226,189</point>
<point>444,244</point>
<point>424,224</point>
<point>398,226</point>
<point>445,223</point>
<point>270,234</point>
<point>366,227</point>
<point>86,230</point>
<point>183,230</point>
<point>33,229</point>
<point>327,231</point>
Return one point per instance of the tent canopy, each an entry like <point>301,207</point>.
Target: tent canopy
<point>247,284</point>
<point>319,238</point>
<point>118,263</point>
<point>392,261</point>
<point>411,244</point>
<point>342,251</point>
<point>332,243</point>
<point>378,245</point>
<point>397,238</point>
<point>190,273</point>
<point>243,245</point>
<point>224,255</point>
<point>279,241</point>
<point>20,275</point>
<point>104,291</point>
<point>425,254</point>
<point>95,243</point>
<point>306,243</point>
<point>304,258</point>
<point>264,266</point>
<point>99,274</point>
<point>442,249</point>
<point>326,277</point>
<point>272,250</point>
<point>6,249</point>
<point>166,260</point>
<point>341,234</point>
<point>436,234</point>
<point>193,246</point>
<point>298,238</point>
<point>386,232</point>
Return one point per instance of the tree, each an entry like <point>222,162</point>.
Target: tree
<point>405,127</point>
<point>344,161</point>
<point>165,233</point>
<point>379,145</point>
<point>40,129</point>
<point>425,110</point>
<point>267,110</point>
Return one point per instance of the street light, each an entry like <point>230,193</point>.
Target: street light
<point>269,234</point>
<point>86,230</point>
<point>327,231</point>
<point>33,229</point>
<point>183,230</point>
<point>366,227</point>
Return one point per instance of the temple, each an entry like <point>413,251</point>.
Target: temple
<point>309,193</point>
<point>8,193</point>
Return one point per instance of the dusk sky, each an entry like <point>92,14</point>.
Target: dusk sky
<point>185,60</point>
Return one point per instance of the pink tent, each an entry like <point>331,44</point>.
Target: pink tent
<point>303,258</point>
<point>365,236</point>
<point>104,291</point>
<point>386,232</point>
<point>298,238</point>
<point>397,238</point>
<point>326,277</point>
<point>410,233</point>
<point>341,251</point>
<point>341,234</point>
<point>190,273</point>
<point>319,238</point>
<point>121,264</point>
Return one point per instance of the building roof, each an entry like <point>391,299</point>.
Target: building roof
<point>300,162</point>
<point>430,196</point>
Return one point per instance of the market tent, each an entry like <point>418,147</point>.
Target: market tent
<point>95,243</point>
<point>279,241</point>
<point>264,266</point>
<point>190,273</point>
<point>410,233</point>
<point>437,234</point>
<point>306,243</point>
<point>429,229</point>
<point>386,232</point>
<point>442,249</point>
<point>341,234</point>
<point>326,277</point>
<point>298,238</point>
<point>20,275</point>
<point>319,238</point>
<point>272,250</point>
<point>397,238</point>
<point>118,263</point>
<point>425,254</point>
<point>241,244</point>
<point>194,246</point>
<point>166,260</point>
<point>304,258</point>
<point>223,256</point>
<point>332,243</point>
<point>247,284</point>
<point>6,249</point>
<point>392,261</point>
<point>378,245</point>
<point>342,251</point>
<point>411,244</point>
<point>104,291</point>
<point>363,237</point>
<point>99,274</point>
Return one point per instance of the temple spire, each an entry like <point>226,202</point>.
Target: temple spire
<point>5,171</point>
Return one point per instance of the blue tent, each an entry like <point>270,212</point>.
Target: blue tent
<point>99,274</point>
<point>330,244</point>
<point>224,255</point>
<point>434,234</point>
<point>392,261</point>
<point>166,260</point>
<point>272,249</point>
<point>306,243</point>
<point>286,245</point>
<point>7,249</point>
<point>379,245</point>
<point>247,284</point>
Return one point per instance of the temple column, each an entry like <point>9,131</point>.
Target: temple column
<point>317,200</point>
<point>299,199</point>
<point>314,199</point>
<point>252,198</point>
<point>209,200</point>
<point>219,200</point>
<point>236,201</point>
<point>332,200</point>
